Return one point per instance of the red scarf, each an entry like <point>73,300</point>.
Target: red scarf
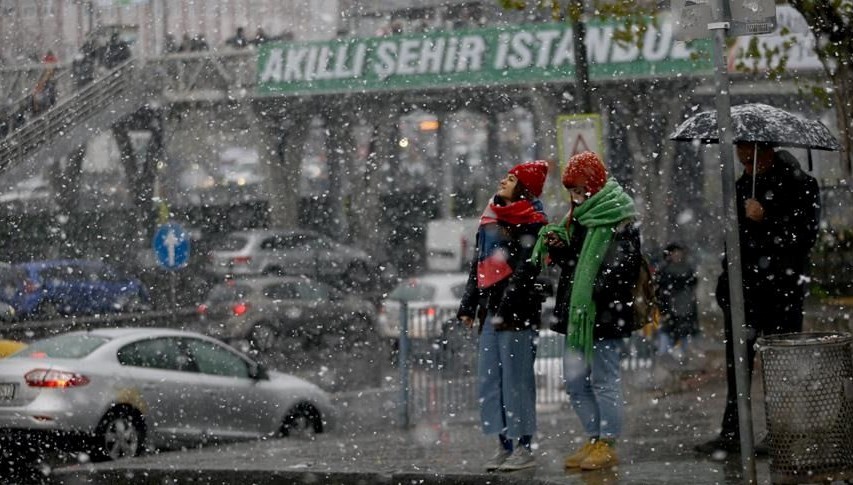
<point>493,240</point>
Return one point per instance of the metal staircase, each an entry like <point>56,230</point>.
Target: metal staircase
<point>73,120</point>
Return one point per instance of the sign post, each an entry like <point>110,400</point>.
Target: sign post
<point>171,245</point>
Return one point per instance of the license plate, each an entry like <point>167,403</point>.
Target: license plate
<point>7,392</point>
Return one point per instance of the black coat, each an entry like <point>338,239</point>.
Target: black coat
<point>514,299</point>
<point>613,288</point>
<point>676,286</point>
<point>774,252</point>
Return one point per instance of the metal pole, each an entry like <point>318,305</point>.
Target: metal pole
<point>403,362</point>
<point>732,235</point>
<point>173,297</point>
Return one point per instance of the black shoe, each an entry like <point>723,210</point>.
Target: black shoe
<point>717,445</point>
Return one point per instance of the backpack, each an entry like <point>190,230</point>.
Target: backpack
<point>646,306</point>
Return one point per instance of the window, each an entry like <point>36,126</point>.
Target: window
<point>228,293</point>
<point>313,291</point>
<point>157,353</point>
<point>216,360</point>
<point>232,243</point>
<point>281,291</point>
<point>67,346</point>
<point>412,290</point>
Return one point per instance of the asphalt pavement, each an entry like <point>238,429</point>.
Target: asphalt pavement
<point>669,409</point>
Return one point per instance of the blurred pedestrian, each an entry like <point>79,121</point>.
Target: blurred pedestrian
<point>260,37</point>
<point>676,284</point>
<point>44,92</point>
<point>186,43</point>
<point>500,294</point>
<point>116,51</point>
<point>778,208</point>
<point>597,248</point>
<point>239,40</point>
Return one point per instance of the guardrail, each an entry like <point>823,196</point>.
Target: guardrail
<point>29,330</point>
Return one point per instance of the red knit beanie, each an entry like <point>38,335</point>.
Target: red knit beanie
<point>585,170</point>
<point>531,175</point>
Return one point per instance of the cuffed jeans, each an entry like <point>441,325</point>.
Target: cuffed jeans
<point>507,384</point>
<point>595,387</point>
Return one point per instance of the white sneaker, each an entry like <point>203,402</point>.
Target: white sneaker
<point>498,459</point>
<point>520,459</point>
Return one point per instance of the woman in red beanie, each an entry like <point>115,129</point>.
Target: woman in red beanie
<point>597,247</point>
<point>500,291</point>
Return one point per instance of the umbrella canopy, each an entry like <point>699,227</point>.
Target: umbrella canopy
<point>759,123</point>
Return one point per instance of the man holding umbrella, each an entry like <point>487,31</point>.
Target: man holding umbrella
<point>778,208</point>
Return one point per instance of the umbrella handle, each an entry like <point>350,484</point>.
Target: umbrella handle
<point>754,166</point>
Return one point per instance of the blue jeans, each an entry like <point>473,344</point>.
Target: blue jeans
<point>506,381</point>
<point>595,387</point>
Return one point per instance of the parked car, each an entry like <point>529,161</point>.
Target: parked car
<point>50,289</point>
<point>293,252</point>
<point>256,312</point>
<point>117,391</point>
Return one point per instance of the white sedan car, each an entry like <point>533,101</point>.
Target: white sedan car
<point>114,391</point>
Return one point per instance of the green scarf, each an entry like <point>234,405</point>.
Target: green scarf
<point>599,214</point>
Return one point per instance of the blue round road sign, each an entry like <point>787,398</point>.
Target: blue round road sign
<point>171,246</point>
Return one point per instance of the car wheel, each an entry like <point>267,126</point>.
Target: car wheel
<point>263,337</point>
<point>119,435</point>
<point>303,422</point>
<point>358,274</point>
<point>49,311</point>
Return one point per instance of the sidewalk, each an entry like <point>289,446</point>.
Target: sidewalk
<point>662,425</point>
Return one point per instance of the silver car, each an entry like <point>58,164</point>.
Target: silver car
<point>115,391</point>
<point>290,252</point>
<point>257,313</point>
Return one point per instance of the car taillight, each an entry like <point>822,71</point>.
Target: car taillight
<point>430,312</point>
<point>241,260</point>
<point>239,309</point>
<point>201,309</point>
<point>30,286</point>
<point>54,378</point>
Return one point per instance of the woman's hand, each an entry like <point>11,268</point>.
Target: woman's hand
<point>467,321</point>
<point>553,241</point>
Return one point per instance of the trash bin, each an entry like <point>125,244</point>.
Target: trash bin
<point>808,399</point>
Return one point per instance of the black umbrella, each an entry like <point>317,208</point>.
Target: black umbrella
<point>763,124</point>
<point>759,123</point>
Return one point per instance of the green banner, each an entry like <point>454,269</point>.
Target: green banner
<point>511,55</point>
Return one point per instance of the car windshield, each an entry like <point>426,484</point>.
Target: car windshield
<point>232,243</point>
<point>68,346</point>
<point>413,290</point>
<point>229,293</point>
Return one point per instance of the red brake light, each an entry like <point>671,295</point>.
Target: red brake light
<point>54,378</point>
<point>431,312</point>
<point>201,309</point>
<point>30,286</point>
<point>239,309</point>
<point>241,260</point>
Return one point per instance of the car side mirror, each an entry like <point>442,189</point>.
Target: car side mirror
<point>258,372</point>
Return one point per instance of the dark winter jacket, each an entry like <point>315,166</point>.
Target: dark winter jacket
<point>514,299</point>
<point>774,252</point>
<point>613,288</point>
<point>676,286</point>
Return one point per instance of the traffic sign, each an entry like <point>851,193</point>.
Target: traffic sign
<point>171,245</point>
<point>752,17</point>
<point>579,133</point>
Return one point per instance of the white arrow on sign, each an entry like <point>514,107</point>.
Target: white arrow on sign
<point>171,241</point>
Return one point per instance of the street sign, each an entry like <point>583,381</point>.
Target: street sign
<point>691,19</point>
<point>171,245</point>
<point>752,17</point>
<point>578,133</point>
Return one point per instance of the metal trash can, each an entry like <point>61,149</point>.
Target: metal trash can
<point>808,399</point>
